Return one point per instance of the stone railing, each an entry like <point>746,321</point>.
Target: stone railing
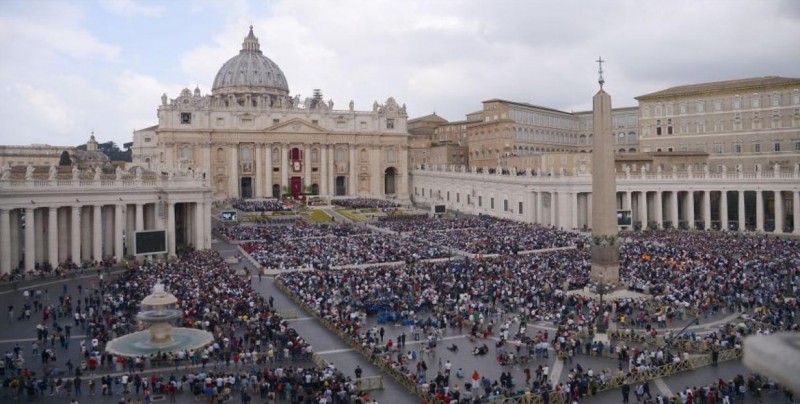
<point>66,184</point>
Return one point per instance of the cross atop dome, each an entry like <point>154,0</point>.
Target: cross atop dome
<point>599,62</point>
<point>250,43</point>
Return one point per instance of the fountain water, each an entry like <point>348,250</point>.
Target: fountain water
<point>161,336</point>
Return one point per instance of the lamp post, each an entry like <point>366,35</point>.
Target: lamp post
<point>601,290</point>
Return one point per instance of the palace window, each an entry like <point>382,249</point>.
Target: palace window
<point>505,205</point>
<point>658,127</point>
<point>737,103</point>
<point>797,145</point>
<point>755,101</point>
<point>389,123</point>
<point>717,105</point>
<point>775,100</point>
<point>737,148</point>
<point>682,108</point>
<point>756,147</point>
<point>186,118</point>
<point>700,107</point>
<point>776,147</point>
<point>147,140</point>
<point>480,201</point>
<point>718,148</point>
<point>519,207</point>
<point>491,203</point>
<point>669,126</point>
<point>276,121</point>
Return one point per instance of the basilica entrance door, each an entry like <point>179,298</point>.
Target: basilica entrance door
<point>246,190</point>
<point>276,191</point>
<point>296,186</point>
<point>340,187</point>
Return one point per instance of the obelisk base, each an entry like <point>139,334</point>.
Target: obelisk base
<point>605,265</point>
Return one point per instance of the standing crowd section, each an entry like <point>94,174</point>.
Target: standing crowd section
<point>255,353</point>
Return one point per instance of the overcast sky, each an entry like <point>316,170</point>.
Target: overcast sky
<point>69,68</point>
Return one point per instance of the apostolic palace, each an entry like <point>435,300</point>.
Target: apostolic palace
<point>722,155</point>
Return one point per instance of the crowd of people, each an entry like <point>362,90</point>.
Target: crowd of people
<point>254,350</point>
<point>290,231</point>
<point>262,205</point>
<point>365,203</point>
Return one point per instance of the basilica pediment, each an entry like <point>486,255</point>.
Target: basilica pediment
<point>295,125</point>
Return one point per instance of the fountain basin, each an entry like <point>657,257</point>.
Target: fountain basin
<point>142,342</point>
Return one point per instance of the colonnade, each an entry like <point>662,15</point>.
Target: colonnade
<point>34,236</point>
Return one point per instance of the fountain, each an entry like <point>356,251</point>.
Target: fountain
<point>161,336</point>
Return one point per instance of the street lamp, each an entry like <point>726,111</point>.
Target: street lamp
<point>601,290</point>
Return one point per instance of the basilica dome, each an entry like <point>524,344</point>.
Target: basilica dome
<point>250,72</point>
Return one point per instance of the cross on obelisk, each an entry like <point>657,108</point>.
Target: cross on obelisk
<point>600,63</point>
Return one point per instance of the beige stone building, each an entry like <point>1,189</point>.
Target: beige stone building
<point>46,155</point>
<point>253,140</point>
<point>749,124</point>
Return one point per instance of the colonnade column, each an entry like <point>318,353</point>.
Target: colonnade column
<point>207,223</point>
<point>284,168</point>
<point>553,196</point>
<point>706,210</point>
<point>268,171</point>
<point>75,226</point>
<point>97,242</point>
<point>375,163</point>
<point>643,208</point>
<point>673,208</point>
<point>5,241</point>
<point>760,210</point>
<point>323,170</point>
<point>589,210</point>
<point>742,222</point>
<point>659,210</point>
<point>690,209</point>
<point>723,210</point>
<point>170,229</point>
<point>574,205</point>
<point>52,236</point>
<point>259,191</point>
<point>628,201</point>
<point>796,210</point>
<point>119,225</point>
<point>778,212</point>
<point>139,216</point>
<point>30,247</point>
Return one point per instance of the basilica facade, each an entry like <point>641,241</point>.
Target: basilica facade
<point>252,139</point>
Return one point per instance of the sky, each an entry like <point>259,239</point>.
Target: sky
<point>70,68</point>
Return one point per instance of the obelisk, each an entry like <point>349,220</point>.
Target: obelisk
<point>605,240</point>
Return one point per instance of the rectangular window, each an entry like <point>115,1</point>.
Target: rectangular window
<point>796,146</point>
<point>276,121</point>
<point>491,203</point>
<point>389,123</point>
<point>700,107</point>
<point>519,208</point>
<point>718,148</point>
<point>480,201</point>
<point>458,197</point>
<point>505,205</point>
<point>469,201</point>
<point>755,102</point>
<point>186,118</point>
<point>737,103</point>
<point>737,148</point>
<point>448,196</point>
<point>147,140</point>
<point>363,125</point>
<point>315,121</point>
<point>756,147</point>
<point>416,191</point>
<point>220,121</point>
<point>776,146</point>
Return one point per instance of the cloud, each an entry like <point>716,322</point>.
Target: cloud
<point>132,8</point>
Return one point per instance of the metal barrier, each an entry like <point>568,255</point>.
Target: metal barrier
<point>287,314</point>
<point>370,383</point>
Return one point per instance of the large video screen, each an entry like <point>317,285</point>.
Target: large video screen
<point>150,242</point>
<point>439,209</point>
<point>624,218</point>
<point>228,215</point>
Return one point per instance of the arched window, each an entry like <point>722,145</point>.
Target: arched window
<point>314,155</point>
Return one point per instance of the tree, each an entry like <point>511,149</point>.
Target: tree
<point>65,160</point>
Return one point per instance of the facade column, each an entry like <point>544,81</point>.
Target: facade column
<point>284,168</point>
<point>41,240</point>
<point>268,171</point>
<point>199,225</point>
<point>574,205</point>
<point>323,170</point>
<point>259,180</point>
<point>375,169</point>
<point>97,230</point>
<point>796,210</point>
<point>690,209</point>
<point>307,166</point>
<point>538,208</point>
<point>553,216</point>
<point>16,237</point>
<point>75,227</point>
<point>139,216</point>
<point>659,210</point>
<point>5,241</point>
<point>643,208</point>
<point>331,177</point>
<point>760,210</point>
<point>52,236</point>
<point>233,184</point>
<point>707,209</point>
<point>673,207</point>
<point>742,221</point>
<point>170,229</point>
<point>119,225</point>
<point>628,201</point>
<point>723,210</point>
<point>779,220</point>
<point>207,223</point>
<point>353,188</point>
<point>589,210</point>
<point>206,148</point>
<point>30,247</point>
